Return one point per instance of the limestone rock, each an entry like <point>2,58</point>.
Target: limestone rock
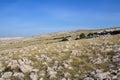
<point>33,76</point>
<point>7,75</point>
<point>88,78</point>
<point>19,75</point>
<point>103,76</point>
<point>26,68</point>
<point>118,76</point>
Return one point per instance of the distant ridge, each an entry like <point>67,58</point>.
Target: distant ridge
<point>10,38</point>
<point>74,32</point>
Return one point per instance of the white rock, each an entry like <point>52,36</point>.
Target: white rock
<point>52,74</point>
<point>21,62</point>
<point>13,64</point>
<point>7,75</point>
<point>99,71</point>
<point>74,53</point>
<point>42,73</point>
<point>102,76</point>
<point>117,49</point>
<point>65,65</point>
<point>114,77</point>
<point>35,70</point>
<point>19,75</point>
<point>33,76</point>
<point>76,75</point>
<point>67,74</point>
<point>70,68</point>
<point>41,79</point>
<point>60,68</point>
<point>88,78</point>
<point>26,68</point>
<point>118,76</point>
<point>56,63</point>
<point>2,79</point>
<point>116,58</point>
<point>96,61</point>
<point>1,67</point>
<point>63,79</point>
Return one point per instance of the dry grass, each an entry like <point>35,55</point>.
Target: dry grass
<point>53,50</point>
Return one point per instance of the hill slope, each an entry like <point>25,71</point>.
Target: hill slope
<point>46,57</point>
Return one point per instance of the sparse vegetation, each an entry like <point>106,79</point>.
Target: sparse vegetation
<point>43,58</point>
<point>64,39</point>
<point>82,35</point>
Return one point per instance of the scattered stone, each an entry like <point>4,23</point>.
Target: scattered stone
<point>13,64</point>
<point>26,68</point>
<point>118,76</point>
<point>33,76</point>
<point>41,79</point>
<point>19,75</point>
<point>96,60</point>
<point>102,76</point>
<point>74,53</point>
<point>1,67</point>
<point>116,59</point>
<point>67,74</point>
<point>7,75</point>
<point>2,79</point>
<point>64,79</point>
<point>88,78</point>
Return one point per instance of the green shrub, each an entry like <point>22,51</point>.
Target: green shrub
<point>90,34</point>
<point>77,38</point>
<point>82,35</point>
<point>64,39</point>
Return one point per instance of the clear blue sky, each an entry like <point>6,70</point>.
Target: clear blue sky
<point>34,17</point>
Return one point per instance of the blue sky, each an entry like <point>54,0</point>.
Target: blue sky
<point>34,17</point>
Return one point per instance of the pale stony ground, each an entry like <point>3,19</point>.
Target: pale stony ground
<point>85,59</point>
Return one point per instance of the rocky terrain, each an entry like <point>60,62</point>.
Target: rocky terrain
<point>46,57</point>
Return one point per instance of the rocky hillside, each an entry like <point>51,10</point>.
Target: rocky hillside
<point>49,57</point>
